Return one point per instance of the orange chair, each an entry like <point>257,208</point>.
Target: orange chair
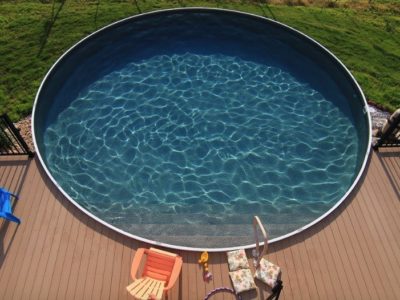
<point>161,270</point>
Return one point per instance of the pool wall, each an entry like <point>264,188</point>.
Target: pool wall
<point>65,66</point>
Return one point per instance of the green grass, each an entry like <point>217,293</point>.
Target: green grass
<point>366,39</point>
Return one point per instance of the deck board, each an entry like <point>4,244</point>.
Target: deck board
<point>88,285</point>
<point>333,280</point>
<point>116,270</point>
<point>100,266</point>
<point>387,224</point>
<point>60,253</point>
<point>373,223</point>
<point>54,257</point>
<point>61,278</point>
<point>320,280</point>
<point>373,262</point>
<point>28,211</point>
<point>38,246</point>
<point>289,270</point>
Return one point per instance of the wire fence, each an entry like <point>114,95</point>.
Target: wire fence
<point>11,141</point>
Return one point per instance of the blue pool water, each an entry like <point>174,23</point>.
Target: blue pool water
<point>184,147</point>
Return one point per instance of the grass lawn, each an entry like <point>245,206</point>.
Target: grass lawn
<point>364,35</point>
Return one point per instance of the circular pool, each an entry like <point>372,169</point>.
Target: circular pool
<point>177,127</point>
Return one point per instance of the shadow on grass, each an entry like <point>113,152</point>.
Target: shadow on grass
<point>260,5</point>
<point>96,13</point>
<point>49,25</point>
<point>138,7</point>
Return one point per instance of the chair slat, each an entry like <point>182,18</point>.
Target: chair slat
<point>161,256</point>
<point>157,276</point>
<point>163,252</point>
<point>147,289</point>
<point>162,263</point>
<point>160,289</point>
<point>155,269</point>
<point>137,285</point>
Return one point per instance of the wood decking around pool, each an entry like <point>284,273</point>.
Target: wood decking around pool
<point>59,253</point>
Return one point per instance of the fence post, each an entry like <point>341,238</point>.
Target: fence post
<point>16,135</point>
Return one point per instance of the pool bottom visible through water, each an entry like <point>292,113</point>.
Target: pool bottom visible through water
<point>186,149</point>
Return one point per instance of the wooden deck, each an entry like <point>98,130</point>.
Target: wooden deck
<point>59,253</point>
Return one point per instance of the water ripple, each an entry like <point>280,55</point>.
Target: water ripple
<point>200,140</point>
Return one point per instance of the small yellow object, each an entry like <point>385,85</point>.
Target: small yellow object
<point>206,269</point>
<point>205,265</point>
<point>203,257</point>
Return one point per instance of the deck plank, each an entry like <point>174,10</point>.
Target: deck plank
<point>376,222</point>
<point>87,288</point>
<point>108,266</point>
<point>126,262</point>
<point>315,259</point>
<point>292,272</point>
<point>100,266</point>
<point>7,180</point>
<point>369,249</point>
<point>302,273</point>
<point>60,283</point>
<point>354,253</point>
<point>359,267</point>
<point>56,249</point>
<point>41,246</point>
<point>77,259</point>
<point>338,249</point>
<point>278,258</point>
<point>390,200</point>
<point>84,262</point>
<point>59,259</point>
<point>215,262</point>
<point>50,244</point>
<point>116,264</point>
<point>12,233</point>
<point>388,196</point>
<point>329,268</point>
<point>31,220</point>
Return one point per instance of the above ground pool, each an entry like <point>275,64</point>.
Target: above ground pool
<point>178,126</point>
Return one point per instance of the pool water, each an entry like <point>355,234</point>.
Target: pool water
<point>185,147</point>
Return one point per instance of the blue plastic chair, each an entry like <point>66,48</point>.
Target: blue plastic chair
<point>5,206</point>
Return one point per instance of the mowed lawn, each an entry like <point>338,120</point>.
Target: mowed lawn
<point>33,34</point>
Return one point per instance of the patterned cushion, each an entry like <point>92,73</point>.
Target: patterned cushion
<point>237,260</point>
<point>267,272</point>
<point>242,280</point>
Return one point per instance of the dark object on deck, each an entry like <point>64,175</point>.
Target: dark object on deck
<point>276,291</point>
<point>222,289</point>
<point>11,142</point>
<point>390,134</point>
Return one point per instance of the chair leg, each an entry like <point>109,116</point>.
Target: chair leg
<point>276,291</point>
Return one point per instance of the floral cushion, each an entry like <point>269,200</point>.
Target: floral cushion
<point>237,259</point>
<point>242,280</point>
<point>268,273</point>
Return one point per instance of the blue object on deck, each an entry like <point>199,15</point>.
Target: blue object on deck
<point>5,206</point>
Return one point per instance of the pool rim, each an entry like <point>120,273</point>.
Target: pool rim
<point>186,248</point>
